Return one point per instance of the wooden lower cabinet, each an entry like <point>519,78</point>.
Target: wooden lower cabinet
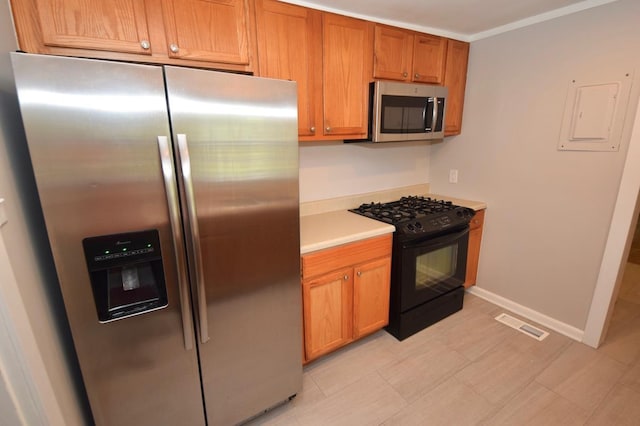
<point>345,294</point>
<point>327,303</point>
<point>473,254</point>
<point>371,286</point>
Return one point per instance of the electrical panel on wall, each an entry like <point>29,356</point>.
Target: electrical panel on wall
<point>594,114</point>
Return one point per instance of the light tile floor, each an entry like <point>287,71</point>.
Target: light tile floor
<point>471,370</point>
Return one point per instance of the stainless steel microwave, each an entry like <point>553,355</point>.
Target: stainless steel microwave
<point>406,112</point>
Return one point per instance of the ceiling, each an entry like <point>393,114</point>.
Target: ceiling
<point>466,20</point>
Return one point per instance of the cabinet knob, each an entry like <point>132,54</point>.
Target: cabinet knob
<point>359,273</point>
<point>145,44</point>
<point>328,129</point>
<point>346,277</point>
<point>174,48</point>
<point>404,74</point>
<point>313,129</point>
<point>417,75</point>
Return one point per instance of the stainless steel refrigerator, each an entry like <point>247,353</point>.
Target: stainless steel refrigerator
<point>170,197</point>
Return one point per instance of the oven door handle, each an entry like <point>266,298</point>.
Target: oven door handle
<point>441,240</point>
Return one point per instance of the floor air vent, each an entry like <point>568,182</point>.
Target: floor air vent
<point>522,326</point>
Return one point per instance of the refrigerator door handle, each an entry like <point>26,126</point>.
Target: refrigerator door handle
<point>166,160</point>
<point>185,163</point>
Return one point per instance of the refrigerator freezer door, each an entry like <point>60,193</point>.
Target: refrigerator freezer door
<point>241,134</point>
<point>92,130</point>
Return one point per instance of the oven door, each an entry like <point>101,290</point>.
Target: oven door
<point>432,267</point>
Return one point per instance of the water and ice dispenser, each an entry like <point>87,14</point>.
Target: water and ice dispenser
<point>126,273</point>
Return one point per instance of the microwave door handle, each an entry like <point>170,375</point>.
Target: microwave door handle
<point>434,123</point>
<point>428,124</point>
<point>168,173</point>
<point>185,162</point>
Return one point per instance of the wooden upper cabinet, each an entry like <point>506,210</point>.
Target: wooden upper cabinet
<point>331,60</point>
<point>207,30</point>
<point>393,53</point>
<point>429,58</point>
<point>215,33</point>
<point>277,26</point>
<point>408,56</point>
<point>455,79</point>
<point>347,66</point>
<point>93,24</point>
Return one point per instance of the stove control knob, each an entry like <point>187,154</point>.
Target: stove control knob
<point>410,227</point>
<point>418,225</point>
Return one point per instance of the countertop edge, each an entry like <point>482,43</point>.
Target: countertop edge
<point>350,238</point>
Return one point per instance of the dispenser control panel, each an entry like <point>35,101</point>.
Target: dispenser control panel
<point>126,273</point>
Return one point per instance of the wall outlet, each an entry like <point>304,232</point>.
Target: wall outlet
<point>453,175</point>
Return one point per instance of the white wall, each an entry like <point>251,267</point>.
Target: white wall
<point>35,284</point>
<point>334,169</point>
<point>549,211</point>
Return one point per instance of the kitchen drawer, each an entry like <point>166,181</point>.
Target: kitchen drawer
<point>324,261</point>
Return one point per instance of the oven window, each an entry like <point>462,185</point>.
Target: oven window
<point>436,266</point>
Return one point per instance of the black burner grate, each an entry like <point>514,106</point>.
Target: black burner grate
<point>404,209</point>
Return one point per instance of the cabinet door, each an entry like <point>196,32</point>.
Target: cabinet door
<point>455,79</point>
<point>207,30</point>
<point>429,54</point>
<point>473,254</point>
<point>347,65</point>
<point>95,24</point>
<point>327,309</point>
<point>278,24</point>
<point>393,50</point>
<point>371,288</point>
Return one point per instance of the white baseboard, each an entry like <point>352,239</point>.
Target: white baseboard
<point>528,313</point>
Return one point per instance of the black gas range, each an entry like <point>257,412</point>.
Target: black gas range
<point>429,259</point>
<point>416,217</point>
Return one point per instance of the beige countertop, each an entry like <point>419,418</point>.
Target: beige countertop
<point>324,230</point>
